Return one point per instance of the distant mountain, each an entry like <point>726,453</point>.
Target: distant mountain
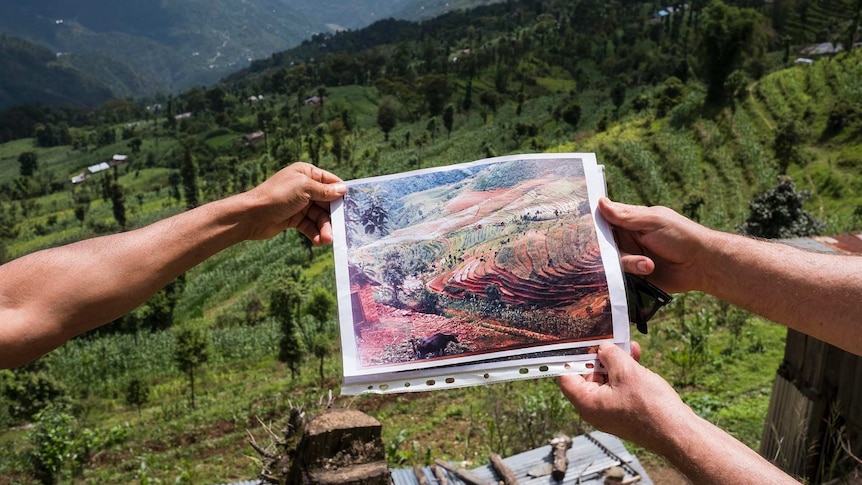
<point>425,9</point>
<point>355,14</point>
<point>33,74</point>
<point>349,14</point>
<point>142,47</point>
<point>137,48</point>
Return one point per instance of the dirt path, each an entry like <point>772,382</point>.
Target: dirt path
<point>756,106</point>
<point>390,343</point>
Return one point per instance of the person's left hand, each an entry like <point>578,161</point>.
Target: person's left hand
<point>631,401</point>
<point>297,196</point>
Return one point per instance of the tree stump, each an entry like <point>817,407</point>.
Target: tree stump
<point>338,446</point>
<point>341,446</point>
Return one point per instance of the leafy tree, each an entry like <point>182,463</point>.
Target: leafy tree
<point>137,393</point>
<point>282,307</point>
<point>670,95</point>
<point>192,351</point>
<point>789,135</point>
<point>51,135</point>
<point>118,205</point>
<point>490,100</point>
<point>467,103</point>
<point>135,145</point>
<point>736,84</point>
<point>618,95</point>
<point>7,224</point>
<point>30,389</point>
<point>108,136</point>
<point>729,33</point>
<point>394,274</point>
<point>216,98</point>
<point>189,173</point>
<point>320,305</point>
<point>320,308</point>
<point>436,91</point>
<point>51,440</point>
<point>338,134</point>
<point>571,114</point>
<point>60,445</point>
<point>29,163</point>
<point>779,213</point>
<point>501,80</point>
<point>432,127</point>
<point>449,119</point>
<point>387,115</point>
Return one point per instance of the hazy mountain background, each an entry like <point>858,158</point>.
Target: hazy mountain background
<point>136,48</point>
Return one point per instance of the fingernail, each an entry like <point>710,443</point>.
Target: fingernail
<point>340,188</point>
<point>642,266</point>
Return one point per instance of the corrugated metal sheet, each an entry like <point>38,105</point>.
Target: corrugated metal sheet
<point>587,463</point>
<point>847,243</point>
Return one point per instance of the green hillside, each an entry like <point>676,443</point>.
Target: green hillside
<point>675,121</point>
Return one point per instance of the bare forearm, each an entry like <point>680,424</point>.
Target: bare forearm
<point>707,455</point>
<point>817,294</point>
<point>49,296</point>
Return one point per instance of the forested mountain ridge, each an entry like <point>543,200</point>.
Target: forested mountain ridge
<point>141,48</point>
<point>171,45</point>
<point>33,74</point>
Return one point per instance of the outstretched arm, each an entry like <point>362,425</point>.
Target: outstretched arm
<point>636,404</point>
<point>816,294</point>
<point>52,295</point>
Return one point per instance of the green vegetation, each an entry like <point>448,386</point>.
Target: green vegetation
<point>530,76</point>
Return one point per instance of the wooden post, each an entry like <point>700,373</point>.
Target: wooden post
<point>560,445</point>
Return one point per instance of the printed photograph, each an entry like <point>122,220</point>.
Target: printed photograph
<point>473,261</point>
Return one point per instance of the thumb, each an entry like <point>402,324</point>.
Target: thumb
<point>630,217</point>
<point>573,386</point>
<point>326,192</point>
<point>613,358</point>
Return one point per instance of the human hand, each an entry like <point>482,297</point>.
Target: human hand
<point>659,243</point>
<point>297,196</point>
<point>630,402</point>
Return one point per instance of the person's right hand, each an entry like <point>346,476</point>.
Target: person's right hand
<point>658,243</point>
<point>297,196</point>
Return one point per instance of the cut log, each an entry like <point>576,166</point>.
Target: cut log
<point>420,475</point>
<point>560,445</point>
<point>376,473</point>
<point>466,476</point>
<point>504,471</point>
<point>440,475</point>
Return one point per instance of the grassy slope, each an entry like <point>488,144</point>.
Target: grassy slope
<point>726,159</point>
